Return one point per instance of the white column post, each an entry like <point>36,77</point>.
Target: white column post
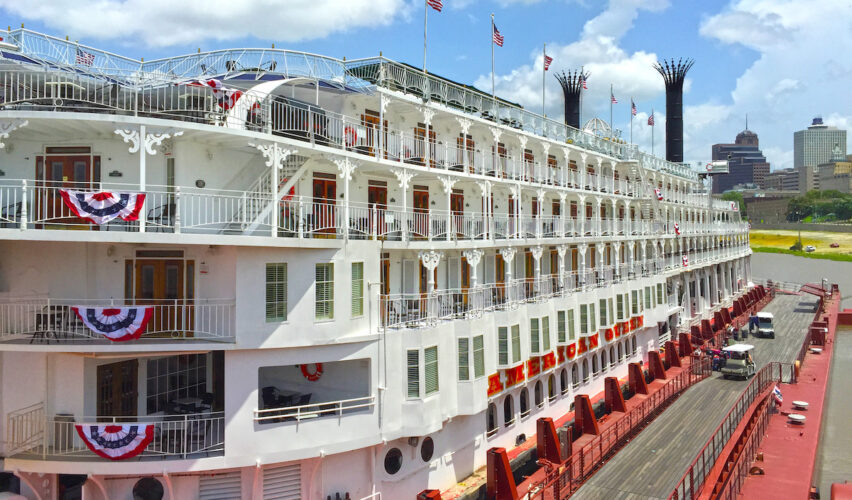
<point>537,252</point>
<point>345,168</point>
<point>448,182</point>
<point>404,179</point>
<point>562,250</point>
<point>473,256</point>
<point>508,254</point>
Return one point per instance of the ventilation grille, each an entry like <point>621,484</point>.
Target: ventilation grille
<point>220,486</point>
<point>282,482</point>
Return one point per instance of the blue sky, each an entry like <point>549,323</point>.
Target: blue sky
<point>767,58</point>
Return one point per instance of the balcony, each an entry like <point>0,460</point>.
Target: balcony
<point>46,320</point>
<point>32,435</point>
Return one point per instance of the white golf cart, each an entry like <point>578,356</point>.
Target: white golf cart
<point>740,362</point>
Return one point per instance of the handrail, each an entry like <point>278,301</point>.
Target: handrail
<point>692,481</point>
<point>320,408</point>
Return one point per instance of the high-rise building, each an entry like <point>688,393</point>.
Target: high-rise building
<point>814,145</point>
<point>745,160</point>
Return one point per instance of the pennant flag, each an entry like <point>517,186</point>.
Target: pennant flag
<point>84,58</point>
<point>104,206</point>
<point>585,87</point>
<point>776,393</point>
<point>117,324</point>
<point>225,97</point>
<point>677,228</point>
<point>685,261</point>
<point>547,61</point>
<point>496,36</point>
<point>116,441</point>
<point>612,97</point>
<point>632,107</point>
<point>659,194</point>
<point>651,119</point>
<point>435,4</point>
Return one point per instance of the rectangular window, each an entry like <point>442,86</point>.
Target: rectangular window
<point>276,292</point>
<point>570,324</point>
<point>357,289</point>
<point>660,296</point>
<point>545,333</point>
<point>430,357</point>
<point>584,319</point>
<point>414,373</point>
<point>503,346</point>
<point>610,311</point>
<point>634,302</point>
<point>603,320</point>
<point>648,297</point>
<point>175,377</point>
<point>592,326</point>
<point>516,343</point>
<point>534,336</point>
<point>324,291</point>
<point>619,305</point>
<point>478,356</point>
<point>464,358</point>
<point>560,326</point>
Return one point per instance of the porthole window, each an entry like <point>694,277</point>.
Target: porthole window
<point>427,449</point>
<point>148,488</point>
<point>393,461</point>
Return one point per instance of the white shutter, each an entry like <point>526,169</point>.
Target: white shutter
<point>282,483</point>
<point>225,486</point>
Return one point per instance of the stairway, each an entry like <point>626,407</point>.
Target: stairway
<point>255,210</point>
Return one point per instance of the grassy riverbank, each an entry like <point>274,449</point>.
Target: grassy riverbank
<point>780,242</point>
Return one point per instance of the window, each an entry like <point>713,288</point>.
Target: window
<point>648,297</point>
<point>276,292</point>
<point>570,324</point>
<point>430,355</point>
<point>633,341</point>
<point>525,402</point>
<point>516,343</point>
<point>592,326</point>
<point>603,312</point>
<point>660,296</point>
<point>612,358</point>
<point>324,291</point>
<point>491,420</point>
<point>545,333</point>
<point>478,356</point>
<point>427,449</point>
<point>393,461</point>
<point>414,373</point>
<point>575,376</point>
<point>585,370</point>
<point>619,306</point>
<point>539,395</point>
<point>508,411</point>
<point>634,302</point>
<point>560,326</point>
<point>534,336</point>
<point>610,311</point>
<point>551,388</point>
<point>584,319</point>
<point>357,289</point>
<point>594,365</point>
<point>464,358</point>
<point>563,381</point>
<point>604,364</point>
<point>175,377</point>
<point>503,346</point>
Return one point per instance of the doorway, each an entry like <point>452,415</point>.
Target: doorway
<point>117,385</point>
<point>169,286</point>
<point>325,200</point>
<point>63,168</point>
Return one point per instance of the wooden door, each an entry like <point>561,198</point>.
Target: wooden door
<point>556,208</point>
<point>168,285</point>
<point>117,385</point>
<point>553,168</point>
<point>500,277</point>
<point>466,145</point>
<point>370,121</point>
<point>377,198</point>
<point>325,199</point>
<point>534,208</point>
<point>465,279</point>
<point>60,172</point>
<point>420,145</point>
<point>457,211</point>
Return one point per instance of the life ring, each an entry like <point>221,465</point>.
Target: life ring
<point>312,376</point>
<point>350,136</point>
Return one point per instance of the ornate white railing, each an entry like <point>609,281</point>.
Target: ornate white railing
<point>319,409</point>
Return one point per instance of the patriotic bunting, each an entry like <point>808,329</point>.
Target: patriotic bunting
<point>104,206</point>
<point>225,97</point>
<point>117,324</point>
<point>685,261</point>
<point>659,194</point>
<point>677,228</point>
<point>776,394</point>
<point>116,441</point>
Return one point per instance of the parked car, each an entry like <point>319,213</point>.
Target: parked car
<point>835,245</point>
<point>810,248</point>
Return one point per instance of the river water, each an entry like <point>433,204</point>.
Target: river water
<point>834,456</point>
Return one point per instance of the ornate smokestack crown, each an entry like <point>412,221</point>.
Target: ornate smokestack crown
<point>674,74</point>
<point>572,84</point>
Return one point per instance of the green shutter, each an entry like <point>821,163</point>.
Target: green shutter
<point>603,320</point>
<point>478,356</point>
<point>414,373</point>
<point>534,338</point>
<point>430,370</point>
<point>619,304</point>
<point>464,358</point>
<point>571,326</point>
<point>502,346</point>
<point>560,326</point>
<point>545,333</point>
<point>357,289</point>
<point>324,291</point>
<point>276,292</point>
<point>592,326</point>
<point>516,343</point>
<point>584,319</point>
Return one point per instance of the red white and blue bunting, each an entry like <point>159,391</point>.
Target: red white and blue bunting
<point>685,261</point>
<point>226,97</point>
<point>104,206</point>
<point>116,441</point>
<point>677,228</point>
<point>116,323</point>
<point>659,194</point>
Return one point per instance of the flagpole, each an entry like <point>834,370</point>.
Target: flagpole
<point>611,95</point>
<point>631,120</point>
<point>544,57</point>
<point>425,20</point>
<point>652,132</point>
<point>493,93</point>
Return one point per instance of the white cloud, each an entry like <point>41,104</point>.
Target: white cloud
<point>160,23</point>
<point>801,71</point>
<point>599,53</point>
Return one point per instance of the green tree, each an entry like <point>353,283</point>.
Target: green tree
<point>737,197</point>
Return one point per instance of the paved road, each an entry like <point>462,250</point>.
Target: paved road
<point>781,267</point>
<point>651,465</point>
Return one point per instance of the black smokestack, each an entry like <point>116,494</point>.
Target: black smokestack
<point>674,73</point>
<point>572,87</point>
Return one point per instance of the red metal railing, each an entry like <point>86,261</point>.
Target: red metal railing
<point>690,485</point>
<point>732,485</point>
<point>562,481</point>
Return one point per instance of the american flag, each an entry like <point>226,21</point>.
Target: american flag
<point>497,37</point>
<point>632,107</point>
<point>585,87</point>
<point>776,394</point>
<point>547,61</point>
<point>651,119</point>
<point>225,97</point>
<point>435,4</point>
<point>612,98</point>
<point>84,58</point>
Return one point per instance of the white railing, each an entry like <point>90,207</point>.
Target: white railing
<point>50,319</point>
<point>32,435</point>
<point>313,410</point>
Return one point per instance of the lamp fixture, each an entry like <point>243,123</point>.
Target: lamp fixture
<point>200,183</point>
